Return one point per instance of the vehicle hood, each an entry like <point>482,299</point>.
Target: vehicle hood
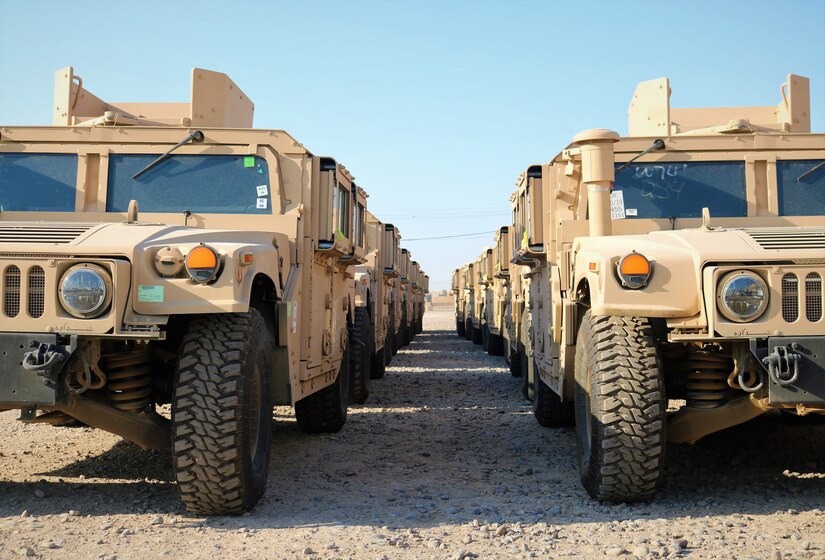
<point>105,239</point>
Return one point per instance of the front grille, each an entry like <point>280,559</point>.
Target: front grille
<point>813,297</point>
<point>42,233</point>
<point>11,291</point>
<point>37,292</point>
<point>790,297</point>
<point>789,238</point>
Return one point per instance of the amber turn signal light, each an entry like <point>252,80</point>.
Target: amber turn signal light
<point>202,264</point>
<point>634,271</point>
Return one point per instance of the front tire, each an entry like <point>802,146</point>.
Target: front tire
<point>620,408</point>
<point>360,345</point>
<point>459,327</point>
<point>221,413</point>
<point>325,411</point>
<point>548,408</point>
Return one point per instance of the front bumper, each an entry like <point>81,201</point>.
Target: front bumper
<point>30,368</point>
<point>793,367</point>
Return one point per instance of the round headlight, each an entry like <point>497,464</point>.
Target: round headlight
<point>743,296</point>
<point>85,291</point>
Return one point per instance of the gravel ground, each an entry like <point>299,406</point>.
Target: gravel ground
<point>446,461</point>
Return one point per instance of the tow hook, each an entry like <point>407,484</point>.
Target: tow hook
<point>43,359</point>
<point>783,364</point>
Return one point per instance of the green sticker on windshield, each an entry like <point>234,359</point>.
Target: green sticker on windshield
<point>249,161</point>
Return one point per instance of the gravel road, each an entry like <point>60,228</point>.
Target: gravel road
<point>445,462</point>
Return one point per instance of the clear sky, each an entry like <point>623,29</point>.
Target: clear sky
<point>435,106</point>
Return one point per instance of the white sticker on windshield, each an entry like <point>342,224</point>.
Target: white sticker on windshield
<point>631,212</point>
<point>617,205</point>
<point>262,190</point>
<point>261,203</point>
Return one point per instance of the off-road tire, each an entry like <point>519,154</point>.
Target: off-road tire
<point>485,337</point>
<point>620,408</point>
<point>360,345</point>
<point>476,336</point>
<point>495,345</point>
<point>468,328</point>
<point>378,367</point>
<point>325,411</point>
<point>548,408</point>
<point>459,327</point>
<point>515,362</point>
<point>222,413</point>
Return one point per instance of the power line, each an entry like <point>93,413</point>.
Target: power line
<point>449,236</point>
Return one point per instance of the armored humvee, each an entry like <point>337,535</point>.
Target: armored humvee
<point>497,294</point>
<point>155,254</point>
<point>684,262</point>
<point>457,289</point>
<point>469,298</point>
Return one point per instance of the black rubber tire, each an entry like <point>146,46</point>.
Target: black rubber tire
<point>459,327</point>
<point>325,411</point>
<point>476,336</point>
<point>524,366</point>
<point>620,408</point>
<point>360,352</point>
<point>468,328</point>
<point>378,367</point>
<point>222,413</point>
<point>548,408</point>
<point>485,338</point>
<point>495,346</point>
<point>515,363</point>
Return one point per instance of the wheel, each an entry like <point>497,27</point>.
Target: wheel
<point>378,367</point>
<point>494,345</point>
<point>468,328</point>
<point>459,327</point>
<point>515,363</point>
<point>476,336</point>
<point>485,338</point>
<point>360,352</point>
<point>221,413</point>
<point>325,411</point>
<point>620,408</point>
<point>548,408</point>
<point>524,367</point>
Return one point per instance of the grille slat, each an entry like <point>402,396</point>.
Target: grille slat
<point>42,233</point>
<point>785,239</point>
<point>813,297</point>
<point>11,291</point>
<point>37,292</point>
<point>790,297</point>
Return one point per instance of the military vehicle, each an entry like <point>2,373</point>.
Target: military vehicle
<point>498,293</point>
<point>684,262</point>
<point>404,333</point>
<point>155,254</point>
<point>468,271</point>
<point>457,289</point>
<point>392,275</point>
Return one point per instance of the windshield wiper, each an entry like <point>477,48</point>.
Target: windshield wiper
<point>196,136</point>
<point>658,144</point>
<point>814,169</point>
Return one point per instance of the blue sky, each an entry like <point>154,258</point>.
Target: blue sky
<point>434,106</point>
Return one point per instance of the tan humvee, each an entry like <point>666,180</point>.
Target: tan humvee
<point>457,289</point>
<point>405,329</point>
<point>392,275</point>
<point>698,276</point>
<point>373,287</point>
<point>497,294</point>
<point>168,253</point>
<point>469,298</point>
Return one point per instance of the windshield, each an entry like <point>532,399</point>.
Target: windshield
<point>801,197</point>
<point>679,190</point>
<point>38,182</point>
<point>202,184</point>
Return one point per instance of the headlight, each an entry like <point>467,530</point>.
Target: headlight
<point>86,291</point>
<point>742,296</point>
<point>634,271</point>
